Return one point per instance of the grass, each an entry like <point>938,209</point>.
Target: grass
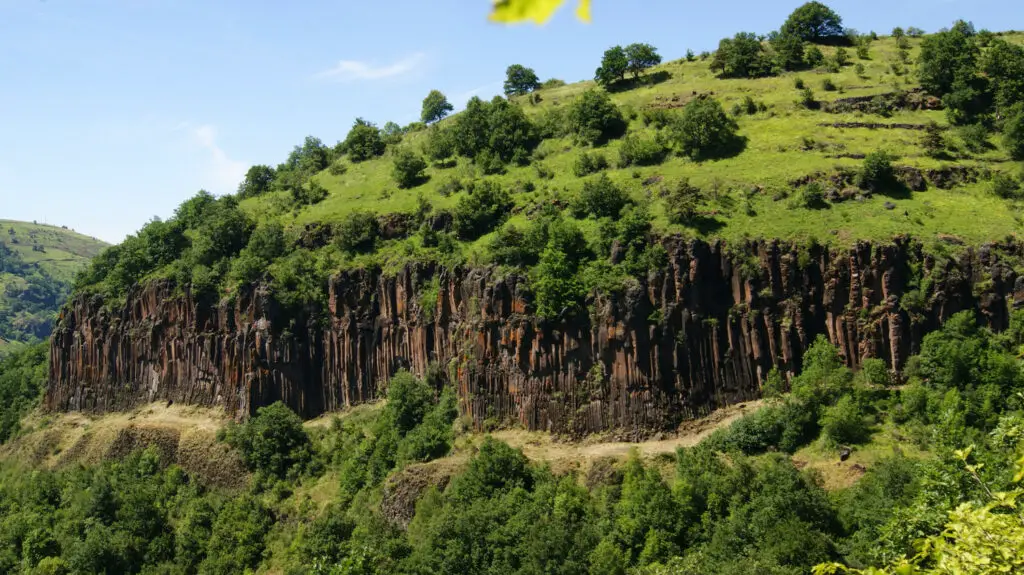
<point>886,441</point>
<point>747,186</point>
<point>64,253</point>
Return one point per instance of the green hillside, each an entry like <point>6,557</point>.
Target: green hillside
<point>37,265</point>
<point>828,141</point>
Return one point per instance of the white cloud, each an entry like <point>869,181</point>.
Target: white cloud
<point>351,70</point>
<point>223,173</point>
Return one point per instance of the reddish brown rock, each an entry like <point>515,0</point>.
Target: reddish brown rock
<point>703,333</point>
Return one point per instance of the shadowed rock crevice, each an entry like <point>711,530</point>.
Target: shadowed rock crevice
<point>700,334</point>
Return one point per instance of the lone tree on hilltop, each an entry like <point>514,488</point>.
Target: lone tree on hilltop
<point>641,57</point>
<point>520,80</point>
<point>814,22</point>
<point>435,107</point>
<point>613,68</point>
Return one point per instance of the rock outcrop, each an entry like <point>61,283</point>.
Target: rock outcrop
<point>703,332</point>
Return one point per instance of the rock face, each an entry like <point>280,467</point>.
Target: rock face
<point>702,333</point>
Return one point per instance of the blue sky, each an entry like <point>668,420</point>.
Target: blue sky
<point>114,111</point>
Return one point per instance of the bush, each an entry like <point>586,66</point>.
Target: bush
<point>555,280</point>
<point>844,423</point>
<point>682,203</point>
<point>408,169</point>
<point>862,52</point>
<point>1013,136</point>
<point>828,85</point>
<point>798,83</point>
<point>812,196</point>
<point>22,378</point>
<point>814,57</point>
<point>641,151</point>
<point>440,144</point>
<point>877,172</point>
<point>742,56</point>
<point>312,193</point>
<point>933,142</point>
<point>358,231</point>
<point>656,117</point>
<point>593,118</point>
<point>512,246</point>
<point>842,57</point>
<point>600,198</point>
<point>589,163</point>
<point>1005,186</point>
<point>485,207</point>
<point>272,442</point>
<point>363,142</point>
<point>704,131</point>
<point>974,137</point>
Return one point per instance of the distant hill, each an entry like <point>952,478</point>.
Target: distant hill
<point>37,265</point>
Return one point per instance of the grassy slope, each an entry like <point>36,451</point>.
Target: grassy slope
<point>773,158</point>
<point>65,252</point>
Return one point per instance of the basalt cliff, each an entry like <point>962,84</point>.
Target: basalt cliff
<point>701,333</point>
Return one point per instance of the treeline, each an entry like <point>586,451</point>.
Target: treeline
<point>735,503</point>
<point>29,300</point>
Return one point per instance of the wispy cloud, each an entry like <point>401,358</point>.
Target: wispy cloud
<point>353,70</point>
<point>223,172</point>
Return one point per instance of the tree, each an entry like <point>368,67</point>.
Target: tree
<point>948,57</point>
<point>485,207</point>
<point>877,171</point>
<point>600,198</point>
<point>520,80</point>
<point>704,131</point>
<point>408,169</point>
<point>641,57</point>
<point>363,142</point>
<point>1013,135</point>
<point>789,51</point>
<point>357,232</point>
<point>682,203</point>
<point>257,181</point>
<point>593,118</point>
<point>814,22</point>
<point>273,442</point>
<point>741,56</point>
<point>614,65</point>
<point>435,107</point>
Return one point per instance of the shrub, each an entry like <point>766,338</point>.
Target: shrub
<point>814,56</point>
<point>641,151</point>
<point>974,137</point>
<point>589,163</point>
<point>798,83</point>
<point>656,117</point>
<point>439,144</point>
<point>859,69</point>
<point>1013,136</point>
<point>363,142</point>
<point>862,52</point>
<point>337,167</point>
<point>877,171</point>
<point>600,198</point>
<point>1005,186</point>
<point>704,130</point>
<point>312,193</point>
<point>485,207</point>
<point>593,118</point>
<point>742,56</point>
<point>812,196</point>
<point>555,280</point>
<point>513,246</point>
<point>842,57</point>
<point>358,231</point>
<point>828,85</point>
<point>408,169</point>
<point>682,203</point>
<point>844,423</point>
<point>933,142</point>
<point>272,442</point>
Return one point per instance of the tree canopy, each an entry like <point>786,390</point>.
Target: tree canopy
<point>814,22</point>
<point>435,107</point>
<point>520,80</point>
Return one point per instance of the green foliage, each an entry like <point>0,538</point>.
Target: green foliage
<point>814,22</point>
<point>497,129</point>
<point>641,57</point>
<point>593,118</point>
<point>311,194</point>
<point>877,172</point>
<point>363,142</point>
<point>1005,186</point>
<point>439,144</point>
<point>27,310</point>
<point>266,244</point>
<point>742,56</point>
<point>946,58</point>
<point>435,107</point>
<point>614,65</point>
<point>933,141</point>
<point>683,202</point>
<point>704,131</point>
<point>975,137</point>
<point>484,208</point>
<point>520,80</point>
<point>812,196</point>
<point>844,423</point>
<point>600,198</point>
<point>639,150</point>
<point>408,169</point>
<point>258,181</point>
<point>358,231</point>
<point>513,246</point>
<point>556,280</point>
<point>23,376</point>
<point>589,163</point>
<point>273,442</point>
<point>1013,135</point>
